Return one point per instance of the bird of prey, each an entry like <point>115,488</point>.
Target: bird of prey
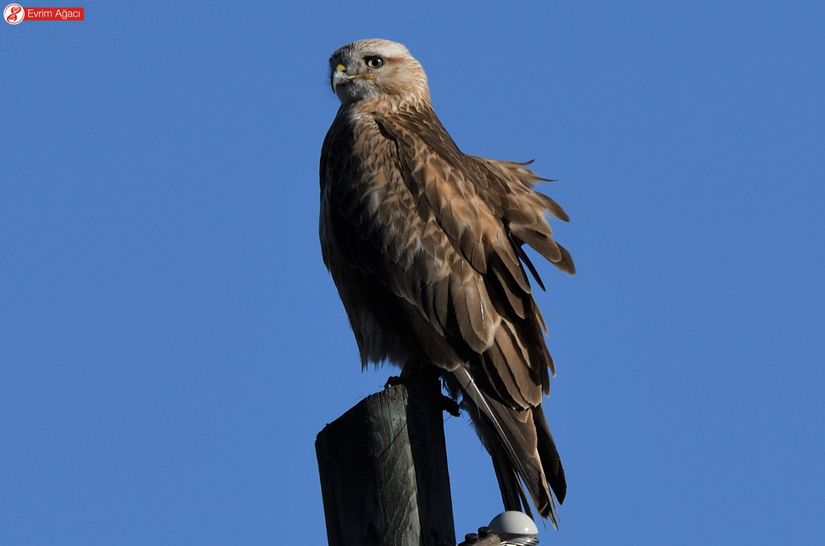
<point>425,245</point>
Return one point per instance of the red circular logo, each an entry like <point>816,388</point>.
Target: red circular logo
<point>13,14</point>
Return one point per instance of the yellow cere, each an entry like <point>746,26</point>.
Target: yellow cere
<point>340,68</point>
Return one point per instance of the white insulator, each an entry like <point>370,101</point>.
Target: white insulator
<point>515,529</point>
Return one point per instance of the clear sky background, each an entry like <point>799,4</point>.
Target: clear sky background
<point>170,342</point>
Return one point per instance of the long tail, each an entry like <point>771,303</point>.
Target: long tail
<point>522,449</point>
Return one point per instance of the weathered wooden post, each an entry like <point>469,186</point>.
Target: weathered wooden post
<point>383,467</point>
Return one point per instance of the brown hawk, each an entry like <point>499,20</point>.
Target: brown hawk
<point>424,244</point>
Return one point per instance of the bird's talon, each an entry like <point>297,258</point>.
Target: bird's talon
<point>450,406</point>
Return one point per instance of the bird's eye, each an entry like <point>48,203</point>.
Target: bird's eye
<point>374,61</point>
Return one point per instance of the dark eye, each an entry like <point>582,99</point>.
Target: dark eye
<point>374,61</point>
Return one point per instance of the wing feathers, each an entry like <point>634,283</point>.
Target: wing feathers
<point>542,243</point>
<point>435,238</point>
<point>517,367</point>
<point>441,300</point>
<point>513,295</point>
<point>566,263</point>
<point>477,319</point>
<point>554,208</point>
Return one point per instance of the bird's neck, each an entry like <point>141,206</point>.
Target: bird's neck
<point>390,104</point>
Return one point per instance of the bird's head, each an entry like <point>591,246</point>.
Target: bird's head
<point>377,68</point>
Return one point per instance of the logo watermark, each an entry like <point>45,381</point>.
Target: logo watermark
<point>14,14</point>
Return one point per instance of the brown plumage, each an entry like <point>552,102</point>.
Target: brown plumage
<point>424,244</point>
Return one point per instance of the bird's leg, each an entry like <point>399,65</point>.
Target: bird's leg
<point>408,372</point>
<point>413,371</point>
<point>450,406</point>
<point>402,379</point>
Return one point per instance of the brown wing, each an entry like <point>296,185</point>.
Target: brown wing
<point>487,209</point>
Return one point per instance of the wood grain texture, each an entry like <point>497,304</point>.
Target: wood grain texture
<point>383,470</point>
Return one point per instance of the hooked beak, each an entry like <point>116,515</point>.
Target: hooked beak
<point>340,77</point>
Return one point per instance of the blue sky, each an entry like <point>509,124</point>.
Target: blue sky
<point>170,342</point>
